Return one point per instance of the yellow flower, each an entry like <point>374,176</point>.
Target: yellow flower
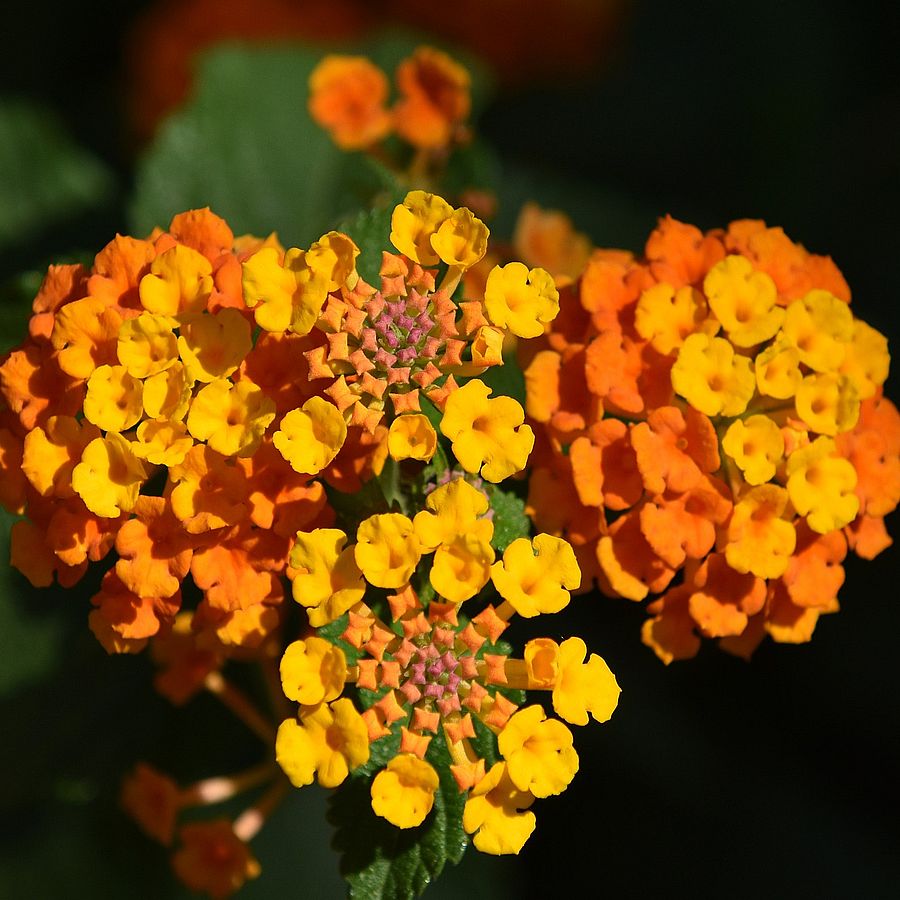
<point>866,359</point>
<point>756,445</point>
<point>461,240</point>
<point>403,792</point>
<point>286,296</point>
<point>819,326</point>
<point>583,687</point>
<point>388,550</point>
<point>109,477</point>
<point>147,345</point>
<point>231,418</point>
<point>168,394</point>
<point>328,742</point>
<point>453,509</point>
<point>179,281</point>
<point>114,399</point>
<point>538,751</point>
<point>462,567</point>
<point>412,436</point>
<point>821,486</point>
<point>827,403</point>
<point>328,580</point>
<point>536,576</point>
<point>521,300</point>
<point>495,813</point>
<point>711,377</point>
<point>487,432</point>
<point>743,300</point>
<point>162,442</point>
<point>759,539</point>
<point>312,671</point>
<point>332,258</point>
<point>487,347</point>
<point>665,317</point>
<point>777,368</point>
<point>213,346</point>
<point>414,222</point>
<point>310,437</point>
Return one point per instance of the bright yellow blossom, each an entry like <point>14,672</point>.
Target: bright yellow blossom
<point>162,442</point>
<point>167,395</point>
<point>109,476</point>
<point>284,296</point>
<point>312,671</point>
<point>819,326</point>
<point>461,239</point>
<point>179,282</point>
<point>327,742</point>
<point>114,399</point>
<point>213,346</point>
<point>231,418</point>
<point>328,580</point>
<point>403,791</point>
<point>412,436</point>
<point>743,300</point>
<point>777,369</point>
<point>760,540</point>
<point>462,567</point>
<point>310,437</point>
<point>536,576</point>
<point>538,751</point>
<point>415,221</point>
<point>821,486</point>
<point>520,299</point>
<point>388,550</point>
<point>583,687</point>
<point>711,377</point>
<point>453,509</point>
<point>147,345</point>
<point>487,434</point>
<point>496,813</point>
<point>332,258</point>
<point>828,403</point>
<point>866,359</point>
<point>756,445</point>
<point>665,317</point>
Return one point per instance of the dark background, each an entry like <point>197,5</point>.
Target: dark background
<point>777,778</point>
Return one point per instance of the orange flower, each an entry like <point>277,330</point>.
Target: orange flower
<point>435,99</point>
<point>674,450</point>
<point>213,859</point>
<point>721,599</point>
<point>347,97</point>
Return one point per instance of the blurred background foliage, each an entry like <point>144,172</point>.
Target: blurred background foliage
<point>714,776</point>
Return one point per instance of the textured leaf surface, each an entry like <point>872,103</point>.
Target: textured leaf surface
<point>381,862</point>
<point>46,176</point>
<point>510,521</point>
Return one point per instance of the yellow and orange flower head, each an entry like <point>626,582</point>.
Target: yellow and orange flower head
<point>699,411</point>
<point>425,675</point>
<point>376,352</point>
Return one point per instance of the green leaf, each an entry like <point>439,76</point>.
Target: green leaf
<point>47,177</point>
<point>510,521</point>
<point>382,862</point>
<point>507,380</point>
<point>371,230</point>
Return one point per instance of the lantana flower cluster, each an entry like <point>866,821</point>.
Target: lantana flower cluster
<point>714,433</point>
<point>179,413</point>
<point>408,665</point>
